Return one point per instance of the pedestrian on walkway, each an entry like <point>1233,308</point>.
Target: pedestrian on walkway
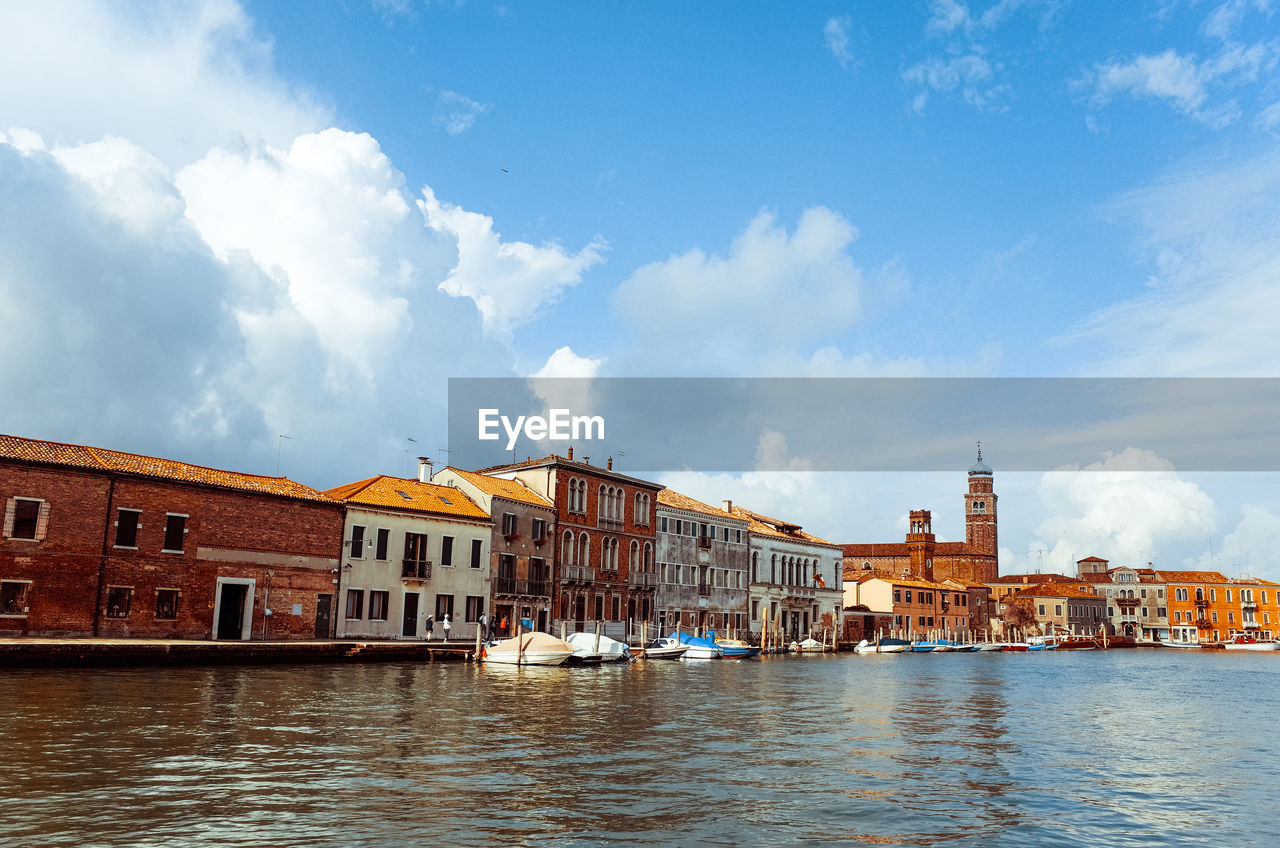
<point>447,624</point>
<point>427,627</point>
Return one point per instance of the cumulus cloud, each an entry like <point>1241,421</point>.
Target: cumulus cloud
<point>1247,548</point>
<point>771,288</point>
<point>510,281</point>
<point>456,112</point>
<point>174,78</point>
<point>1124,508</point>
<point>970,76</point>
<point>565,363</point>
<point>836,33</point>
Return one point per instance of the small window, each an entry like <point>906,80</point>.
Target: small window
<point>378,605</point>
<point>446,550</point>
<point>166,604</point>
<point>539,528</point>
<point>663,524</point>
<point>357,541</point>
<point>383,544</point>
<point>1057,609</point>
<point>907,595</point>
<point>477,549</point>
<point>127,524</point>
<point>355,604</point>
<point>118,601</point>
<point>599,607</point>
<point>508,524</point>
<point>1041,608</point>
<point>26,519</point>
<point>175,531</point>
<point>475,608</point>
<point>13,597</point>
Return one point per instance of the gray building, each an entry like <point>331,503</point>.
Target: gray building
<point>703,554</point>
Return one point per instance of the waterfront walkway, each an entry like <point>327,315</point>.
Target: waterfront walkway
<point>24,652</point>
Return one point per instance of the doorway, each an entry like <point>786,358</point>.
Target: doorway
<point>233,608</point>
<point>410,626</point>
<point>323,603</point>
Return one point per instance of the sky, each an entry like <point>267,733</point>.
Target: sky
<point>263,236</point>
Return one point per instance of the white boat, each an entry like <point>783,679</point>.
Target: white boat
<point>1171,643</point>
<point>700,647</point>
<point>528,649</point>
<point>664,648</point>
<point>1247,643</point>
<point>883,646</point>
<point>591,648</point>
<point>809,646</point>
<point>990,646</point>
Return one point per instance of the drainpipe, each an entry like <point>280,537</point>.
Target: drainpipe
<point>102,557</point>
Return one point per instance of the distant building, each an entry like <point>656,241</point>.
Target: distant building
<point>1060,608</point>
<point>703,554</point>
<point>97,542</point>
<point>604,544</point>
<point>521,550</point>
<point>1206,606</point>
<point>1136,602</point>
<point>412,550</point>
<point>920,607</point>
<point>921,557</point>
<point>795,577</point>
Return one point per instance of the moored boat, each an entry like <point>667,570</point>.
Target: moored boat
<point>699,647</point>
<point>590,648</point>
<point>1248,643</point>
<point>664,648</point>
<point>528,649</point>
<point>732,648</point>
<point>883,646</point>
<point>809,646</point>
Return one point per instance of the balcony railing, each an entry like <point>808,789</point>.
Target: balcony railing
<point>1247,604</point>
<point>577,574</point>
<point>413,569</point>
<point>1201,603</point>
<point>641,578</point>
<point>514,586</point>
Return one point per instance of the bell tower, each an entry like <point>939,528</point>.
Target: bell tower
<point>980,509</point>
<point>920,543</point>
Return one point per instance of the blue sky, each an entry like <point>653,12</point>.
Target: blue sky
<point>309,216</point>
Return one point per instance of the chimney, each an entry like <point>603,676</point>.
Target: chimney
<point>586,460</point>
<point>609,466</point>
<point>424,469</point>
<point>728,505</point>
<point>570,451</point>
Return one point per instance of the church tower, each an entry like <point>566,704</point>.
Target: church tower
<point>980,509</point>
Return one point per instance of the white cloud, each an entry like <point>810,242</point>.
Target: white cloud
<point>1248,548</point>
<point>565,363</point>
<point>836,33</point>
<point>1224,21</point>
<point>174,78</point>
<point>771,289</point>
<point>969,75</point>
<point>1184,81</point>
<point>457,113</point>
<point>509,281</point>
<point>1122,508</point>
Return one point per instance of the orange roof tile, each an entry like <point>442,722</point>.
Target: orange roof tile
<point>885,549</point>
<point>1057,590</point>
<point>1030,579</point>
<point>512,490</point>
<point>1193,577</point>
<point>408,494</point>
<point>104,459</point>
<point>675,500</point>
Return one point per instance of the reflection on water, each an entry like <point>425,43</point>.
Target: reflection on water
<point>1126,748</point>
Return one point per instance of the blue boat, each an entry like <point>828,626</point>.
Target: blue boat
<point>700,647</point>
<point>732,648</point>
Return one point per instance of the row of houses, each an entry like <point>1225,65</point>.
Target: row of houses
<point>105,543</point>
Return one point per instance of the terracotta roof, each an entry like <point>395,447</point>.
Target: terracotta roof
<point>903,581</point>
<point>675,500</point>
<point>408,494</point>
<point>117,462</point>
<point>1030,579</point>
<point>1092,559</point>
<point>512,490</point>
<point>569,463</point>
<point>1193,577</point>
<point>1057,590</point>
<point>763,525</point>
<point>1099,577</point>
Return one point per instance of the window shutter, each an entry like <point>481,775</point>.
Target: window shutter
<point>42,523</point>
<point>9,508</point>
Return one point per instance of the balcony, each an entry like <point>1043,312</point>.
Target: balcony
<point>513,586</point>
<point>577,574</point>
<point>414,569</point>
<point>704,542</point>
<point>640,578</point>
<point>1249,605</point>
<point>1201,603</point>
<point>1202,623</point>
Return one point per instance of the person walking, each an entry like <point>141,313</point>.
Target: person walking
<point>484,630</point>
<point>427,627</point>
<point>447,624</point>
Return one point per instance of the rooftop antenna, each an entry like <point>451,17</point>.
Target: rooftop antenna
<point>444,450</point>
<point>279,442</point>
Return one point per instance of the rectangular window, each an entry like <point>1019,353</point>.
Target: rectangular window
<point>539,528</point>
<point>175,531</point>
<point>357,541</point>
<point>118,601</point>
<point>13,597</point>
<point>355,604</point>
<point>922,621</point>
<point>1161,612</point>
<point>378,605</point>
<point>897,595</point>
<point>1215,616</point>
<point>617,609</point>
<point>444,604</point>
<point>446,550</point>
<point>475,608</point>
<point>167,604</point>
<point>1231,618</point>
<point>725,534</point>
<point>738,535</point>
<point>1057,609</point>
<point>508,524</point>
<point>907,596</point>
<point>383,544</point>
<point>664,525</point>
<point>755,608</point>
<point>1144,612</point>
<point>24,518</point>
<point>1041,609</point>
<point>1263,595</point>
<point>477,549</point>
<point>127,525</point>
<point>1177,617</point>
<point>599,607</point>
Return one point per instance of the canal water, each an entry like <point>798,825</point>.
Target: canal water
<point>1122,748</point>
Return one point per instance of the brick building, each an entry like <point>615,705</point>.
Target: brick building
<point>702,557</point>
<point>522,548</point>
<point>605,538</point>
<point>922,557</point>
<point>98,542</point>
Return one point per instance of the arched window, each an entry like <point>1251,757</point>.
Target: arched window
<point>773,568</point>
<point>755,564</point>
<point>633,556</point>
<point>866,565</point>
<point>584,551</point>
<point>567,548</point>
<point>647,565</point>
